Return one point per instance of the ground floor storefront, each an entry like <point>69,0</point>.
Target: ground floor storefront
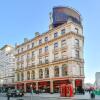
<point>48,86</point>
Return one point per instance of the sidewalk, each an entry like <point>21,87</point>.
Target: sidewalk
<point>57,95</point>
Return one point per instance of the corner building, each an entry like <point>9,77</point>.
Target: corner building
<point>51,59</point>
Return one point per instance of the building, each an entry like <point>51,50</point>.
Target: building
<point>52,58</point>
<point>97,80</point>
<point>7,66</point>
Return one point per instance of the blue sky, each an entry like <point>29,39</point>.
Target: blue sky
<point>22,18</point>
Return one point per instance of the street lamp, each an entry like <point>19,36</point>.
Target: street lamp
<point>31,91</point>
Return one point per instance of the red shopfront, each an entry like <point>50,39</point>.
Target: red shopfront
<point>58,83</point>
<point>78,84</point>
<point>44,86</point>
<point>20,86</point>
<point>28,87</point>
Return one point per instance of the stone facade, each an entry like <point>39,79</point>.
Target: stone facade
<point>51,59</point>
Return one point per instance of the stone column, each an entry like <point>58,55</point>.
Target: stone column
<point>51,86</point>
<point>36,85</point>
<point>60,71</point>
<point>24,87</point>
<point>73,84</point>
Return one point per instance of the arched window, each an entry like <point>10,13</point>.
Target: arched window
<point>64,70</point>
<point>46,72</point>
<point>40,73</point>
<point>22,76</point>
<point>18,77</point>
<point>33,74</point>
<point>56,71</point>
<point>28,75</point>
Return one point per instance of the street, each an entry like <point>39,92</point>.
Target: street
<point>49,97</point>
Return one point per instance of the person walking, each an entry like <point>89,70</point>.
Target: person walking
<point>92,94</point>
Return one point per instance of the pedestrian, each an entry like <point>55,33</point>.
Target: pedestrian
<point>8,97</point>
<point>92,95</point>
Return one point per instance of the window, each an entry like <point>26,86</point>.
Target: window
<point>28,47</point>
<point>64,70</point>
<point>46,72</point>
<point>76,42</point>
<point>28,75</point>
<point>32,54</point>
<point>55,35</point>
<point>40,42</point>
<point>77,53</point>
<point>22,58</point>
<point>28,56</point>
<point>76,30</point>
<point>63,43</point>
<point>40,51</point>
<point>18,50</point>
<point>46,59</point>
<point>63,31</point>
<point>22,76</point>
<point>55,45</point>
<point>33,74</point>
<point>56,57</point>
<point>40,73</point>
<point>46,39</point>
<point>64,55</point>
<point>22,49</point>
<point>18,77</point>
<point>40,60</point>
<point>46,48</point>
<point>56,71</point>
<point>32,45</point>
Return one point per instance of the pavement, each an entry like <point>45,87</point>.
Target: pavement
<point>47,96</point>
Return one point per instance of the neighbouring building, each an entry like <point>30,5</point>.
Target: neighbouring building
<point>54,57</point>
<point>7,67</point>
<point>97,80</point>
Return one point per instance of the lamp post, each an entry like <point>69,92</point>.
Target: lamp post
<point>31,91</point>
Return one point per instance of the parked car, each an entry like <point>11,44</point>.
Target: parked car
<point>15,93</point>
